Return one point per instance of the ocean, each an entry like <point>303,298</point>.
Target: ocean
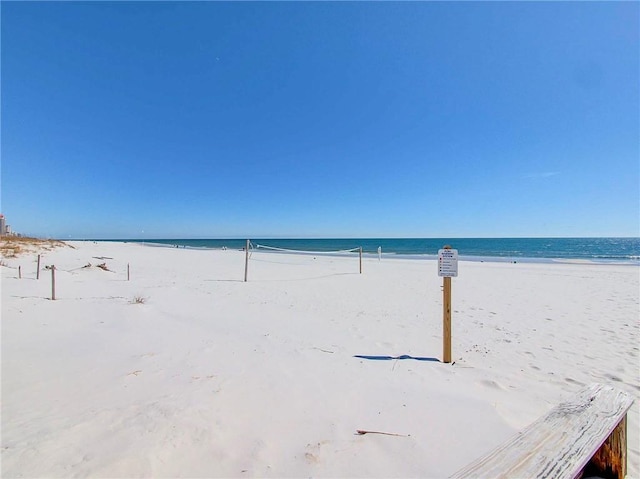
<point>605,250</point>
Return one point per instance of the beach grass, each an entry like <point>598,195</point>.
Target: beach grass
<point>14,246</point>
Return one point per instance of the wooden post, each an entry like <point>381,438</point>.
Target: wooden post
<point>53,282</point>
<point>611,458</point>
<point>446,317</point>
<point>128,272</point>
<point>38,269</point>
<point>19,272</point>
<point>360,251</point>
<point>246,261</point>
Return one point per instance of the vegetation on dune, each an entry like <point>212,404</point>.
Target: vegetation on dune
<point>13,246</point>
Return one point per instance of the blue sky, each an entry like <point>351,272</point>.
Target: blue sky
<point>320,119</point>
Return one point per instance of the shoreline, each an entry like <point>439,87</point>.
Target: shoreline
<point>394,255</point>
<point>411,256</point>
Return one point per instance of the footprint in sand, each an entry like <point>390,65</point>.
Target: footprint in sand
<point>313,452</point>
<point>143,356</point>
<point>613,377</point>
<point>573,381</point>
<point>310,458</point>
<point>491,384</point>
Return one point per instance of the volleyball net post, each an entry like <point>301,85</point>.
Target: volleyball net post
<point>246,261</point>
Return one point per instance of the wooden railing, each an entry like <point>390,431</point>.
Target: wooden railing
<point>584,436</point>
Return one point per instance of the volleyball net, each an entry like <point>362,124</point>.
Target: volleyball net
<point>268,262</point>
<point>299,251</point>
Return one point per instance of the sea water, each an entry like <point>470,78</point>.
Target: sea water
<point>606,250</point>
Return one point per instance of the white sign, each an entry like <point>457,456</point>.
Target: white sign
<point>448,263</point>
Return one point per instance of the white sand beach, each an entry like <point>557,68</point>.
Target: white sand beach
<point>185,370</point>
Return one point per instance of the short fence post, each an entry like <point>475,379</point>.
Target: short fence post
<point>360,252</point>
<point>38,269</point>
<point>53,282</point>
<point>128,272</point>
<point>19,272</point>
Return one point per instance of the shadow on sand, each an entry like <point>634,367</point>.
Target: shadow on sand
<point>389,358</point>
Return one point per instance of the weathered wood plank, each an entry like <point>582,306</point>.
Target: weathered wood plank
<point>561,443</point>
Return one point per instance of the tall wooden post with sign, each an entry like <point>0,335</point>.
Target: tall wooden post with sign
<point>447,268</point>
<point>446,319</point>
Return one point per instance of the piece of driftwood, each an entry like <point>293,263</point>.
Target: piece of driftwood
<point>362,432</point>
<point>587,433</point>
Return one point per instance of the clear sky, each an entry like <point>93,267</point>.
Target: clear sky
<point>321,119</point>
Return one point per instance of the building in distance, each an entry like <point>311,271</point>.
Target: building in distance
<point>5,229</point>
